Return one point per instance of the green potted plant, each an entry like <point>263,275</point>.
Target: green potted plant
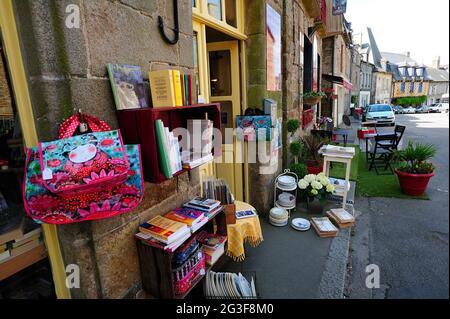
<point>312,144</point>
<point>414,171</point>
<point>312,98</point>
<point>296,149</point>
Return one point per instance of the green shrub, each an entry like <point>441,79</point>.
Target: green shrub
<point>299,169</point>
<point>296,148</point>
<point>292,125</point>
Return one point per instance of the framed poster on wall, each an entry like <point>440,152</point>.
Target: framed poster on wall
<point>339,7</point>
<point>273,49</point>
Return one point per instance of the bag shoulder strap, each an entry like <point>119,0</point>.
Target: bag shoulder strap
<point>68,128</point>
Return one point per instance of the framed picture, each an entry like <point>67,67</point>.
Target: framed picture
<point>273,49</point>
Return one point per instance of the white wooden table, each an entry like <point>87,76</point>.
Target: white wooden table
<point>347,160</point>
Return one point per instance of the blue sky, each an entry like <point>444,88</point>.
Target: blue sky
<point>418,26</point>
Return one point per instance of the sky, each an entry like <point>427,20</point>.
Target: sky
<point>418,26</point>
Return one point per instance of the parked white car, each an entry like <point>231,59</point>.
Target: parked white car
<point>409,110</point>
<point>439,107</point>
<point>380,113</point>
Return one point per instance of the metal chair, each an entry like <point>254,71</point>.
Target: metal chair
<point>382,154</point>
<point>398,132</point>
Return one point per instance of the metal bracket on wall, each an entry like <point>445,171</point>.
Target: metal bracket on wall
<point>176,30</point>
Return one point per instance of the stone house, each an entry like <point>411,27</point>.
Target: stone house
<point>439,85</point>
<point>365,83</point>
<point>336,69</point>
<point>59,67</point>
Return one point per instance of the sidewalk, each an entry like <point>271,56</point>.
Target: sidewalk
<point>296,265</point>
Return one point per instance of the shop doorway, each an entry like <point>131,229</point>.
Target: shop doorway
<point>225,88</point>
<point>25,270</point>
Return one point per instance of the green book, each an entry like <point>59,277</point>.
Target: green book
<point>163,152</point>
<point>186,88</point>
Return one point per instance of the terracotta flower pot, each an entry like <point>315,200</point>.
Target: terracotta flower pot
<point>413,184</point>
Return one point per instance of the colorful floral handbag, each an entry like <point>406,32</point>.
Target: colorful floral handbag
<point>84,163</point>
<point>43,205</point>
<point>84,177</point>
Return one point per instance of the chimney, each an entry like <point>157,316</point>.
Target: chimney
<point>437,62</point>
<point>408,54</point>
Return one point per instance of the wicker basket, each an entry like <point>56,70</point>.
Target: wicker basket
<point>312,100</point>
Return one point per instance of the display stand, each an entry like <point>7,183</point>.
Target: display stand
<point>345,159</point>
<point>279,187</point>
<point>156,264</point>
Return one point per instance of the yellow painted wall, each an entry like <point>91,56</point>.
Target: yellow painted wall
<point>398,89</point>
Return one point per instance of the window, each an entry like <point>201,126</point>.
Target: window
<point>342,59</point>
<point>215,9</point>
<point>230,12</point>
<point>412,87</point>
<point>200,61</point>
<point>403,87</point>
<point>420,87</point>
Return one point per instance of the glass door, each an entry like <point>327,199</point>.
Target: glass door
<point>224,79</point>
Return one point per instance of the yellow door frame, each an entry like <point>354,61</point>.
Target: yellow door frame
<point>13,53</point>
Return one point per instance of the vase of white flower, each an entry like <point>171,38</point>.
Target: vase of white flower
<point>315,188</point>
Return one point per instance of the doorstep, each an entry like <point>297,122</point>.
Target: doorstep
<point>296,265</point>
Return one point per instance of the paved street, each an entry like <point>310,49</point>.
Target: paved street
<point>407,239</point>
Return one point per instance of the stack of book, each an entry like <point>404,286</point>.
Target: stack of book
<point>219,190</point>
<point>208,206</point>
<point>172,88</point>
<point>194,218</point>
<point>213,246</point>
<point>192,160</point>
<point>324,227</point>
<point>164,233</point>
<point>341,218</point>
<point>168,150</point>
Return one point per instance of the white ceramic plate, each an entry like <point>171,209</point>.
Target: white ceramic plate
<point>301,224</point>
<point>286,181</point>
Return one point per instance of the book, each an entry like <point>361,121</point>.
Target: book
<point>191,160</point>
<point>162,88</point>
<point>245,214</point>
<point>152,241</point>
<point>213,246</point>
<point>177,87</point>
<point>164,229</point>
<point>337,151</point>
<point>183,89</point>
<point>186,89</point>
<point>200,136</point>
<point>190,101</point>
<point>202,204</point>
<point>128,86</point>
<point>342,215</point>
<point>324,227</point>
<point>185,215</point>
<point>163,151</point>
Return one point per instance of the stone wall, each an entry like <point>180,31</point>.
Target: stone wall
<point>66,71</point>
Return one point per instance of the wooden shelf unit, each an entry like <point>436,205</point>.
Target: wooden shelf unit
<point>14,264</point>
<point>156,264</point>
<point>138,127</point>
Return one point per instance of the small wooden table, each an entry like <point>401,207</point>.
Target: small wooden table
<point>347,160</point>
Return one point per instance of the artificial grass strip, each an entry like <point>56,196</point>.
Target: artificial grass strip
<point>338,169</point>
<point>368,183</point>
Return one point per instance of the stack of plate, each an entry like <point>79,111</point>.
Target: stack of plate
<point>300,224</point>
<point>287,182</point>
<point>278,217</point>
<point>286,200</point>
<point>229,286</point>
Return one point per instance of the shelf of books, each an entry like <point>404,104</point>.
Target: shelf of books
<point>178,249</point>
<point>153,129</point>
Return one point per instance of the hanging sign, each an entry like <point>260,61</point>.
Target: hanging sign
<point>339,7</point>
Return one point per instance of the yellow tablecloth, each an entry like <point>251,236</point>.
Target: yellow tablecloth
<point>246,229</point>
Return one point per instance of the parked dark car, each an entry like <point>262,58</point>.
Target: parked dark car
<point>423,109</point>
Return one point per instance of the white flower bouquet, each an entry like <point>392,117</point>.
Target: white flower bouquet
<point>315,186</point>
